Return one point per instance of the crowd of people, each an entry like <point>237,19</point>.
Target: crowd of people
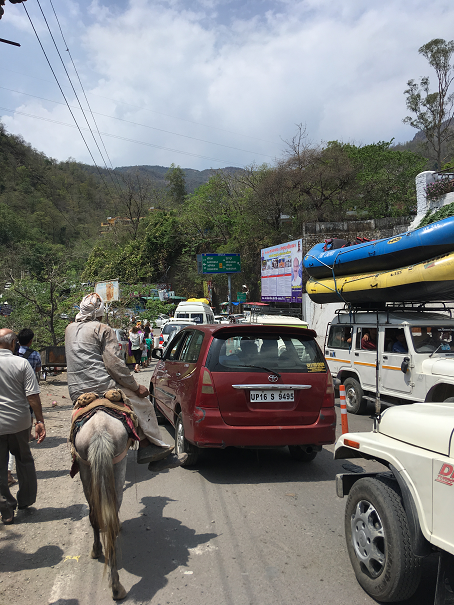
<point>140,344</point>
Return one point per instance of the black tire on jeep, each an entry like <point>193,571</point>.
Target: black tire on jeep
<point>378,540</point>
<point>354,397</point>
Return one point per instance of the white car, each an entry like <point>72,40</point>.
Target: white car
<point>160,320</point>
<point>414,351</point>
<point>123,341</point>
<point>395,517</point>
<point>171,326</point>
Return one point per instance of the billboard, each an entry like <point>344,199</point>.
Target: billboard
<point>108,290</point>
<point>282,272</point>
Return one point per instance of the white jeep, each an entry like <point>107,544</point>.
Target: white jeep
<point>408,355</point>
<point>395,518</point>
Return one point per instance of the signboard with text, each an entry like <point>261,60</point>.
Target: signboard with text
<point>108,290</point>
<point>218,263</point>
<point>282,272</point>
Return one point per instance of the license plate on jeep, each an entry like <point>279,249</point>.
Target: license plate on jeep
<point>268,396</point>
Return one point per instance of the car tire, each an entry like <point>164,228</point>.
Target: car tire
<point>354,397</point>
<point>379,542</point>
<point>449,400</point>
<point>299,453</point>
<point>182,445</point>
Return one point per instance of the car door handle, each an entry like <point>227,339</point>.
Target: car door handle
<point>178,374</point>
<point>385,357</point>
<point>356,354</point>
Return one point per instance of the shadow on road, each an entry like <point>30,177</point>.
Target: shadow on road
<point>13,560</point>
<point>153,546</point>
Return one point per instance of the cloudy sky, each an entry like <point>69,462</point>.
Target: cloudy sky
<point>212,83</point>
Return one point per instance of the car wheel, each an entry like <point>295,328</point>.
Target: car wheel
<point>299,453</point>
<point>182,446</point>
<point>378,540</point>
<point>449,400</point>
<point>354,397</point>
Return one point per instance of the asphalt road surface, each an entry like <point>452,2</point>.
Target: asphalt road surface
<point>242,528</point>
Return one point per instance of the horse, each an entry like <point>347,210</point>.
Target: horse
<point>101,445</point>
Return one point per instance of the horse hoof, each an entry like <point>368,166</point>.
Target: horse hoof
<point>119,593</point>
<point>95,554</point>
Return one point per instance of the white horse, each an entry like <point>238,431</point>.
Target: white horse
<point>102,443</point>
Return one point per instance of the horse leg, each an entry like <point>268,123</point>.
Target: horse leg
<point>118,590</point>
<point>96,551</point>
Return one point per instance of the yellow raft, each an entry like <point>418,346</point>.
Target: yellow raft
<point>427,281</point>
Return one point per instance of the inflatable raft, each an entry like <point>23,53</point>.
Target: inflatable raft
<point>431,280</point>
<point>383,254</point>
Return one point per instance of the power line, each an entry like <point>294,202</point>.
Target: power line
<point>143,125</point>
<point>61,90</point>
<point>114,136</point>
<point>74,90</point>
<point>160,113</point>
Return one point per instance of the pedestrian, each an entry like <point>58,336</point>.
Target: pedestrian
<point>94,364</point>
<point>149,347</point>
<point>144,358</point>
<point>18,390</point>
<point>136,340</point>
<point>25,338</point>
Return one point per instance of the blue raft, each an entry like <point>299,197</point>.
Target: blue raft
<point>383,254</point>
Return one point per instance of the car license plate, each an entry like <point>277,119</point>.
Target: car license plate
<point>280,395</point>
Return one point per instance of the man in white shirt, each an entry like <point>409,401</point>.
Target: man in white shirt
<point>19,391</point>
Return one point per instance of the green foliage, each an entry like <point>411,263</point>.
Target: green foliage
<point>384,182</point>
<point>438,215</point>
<point>156,307</point>
<point>176,185</point>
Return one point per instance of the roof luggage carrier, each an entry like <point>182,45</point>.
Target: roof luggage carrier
<point>405,307</point>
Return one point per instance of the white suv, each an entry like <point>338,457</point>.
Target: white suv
<point>408,354</point>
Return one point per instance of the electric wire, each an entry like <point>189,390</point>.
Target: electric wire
<point>76,95</point>
<point>67,104</point>
<point>114,136</point>
<point>142,125</point>
<point>160,113</point>
<point>83,90</point>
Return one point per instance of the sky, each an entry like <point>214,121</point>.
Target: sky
<point>210,83</point>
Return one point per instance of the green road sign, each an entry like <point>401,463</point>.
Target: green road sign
<point>241,297</point>
<point>218,263</point>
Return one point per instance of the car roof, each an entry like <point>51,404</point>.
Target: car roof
<point>235,329</point>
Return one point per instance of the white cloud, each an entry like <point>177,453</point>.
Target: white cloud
<point>239,74</point>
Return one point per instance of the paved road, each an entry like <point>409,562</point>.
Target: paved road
<point>244,528</point>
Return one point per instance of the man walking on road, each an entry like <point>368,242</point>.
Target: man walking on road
<point>19,391</point>
<point>94,364</point>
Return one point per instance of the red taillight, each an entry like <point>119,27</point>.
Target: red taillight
<point>328,398</point>
<point>206,396</point>
<point>161,340</point>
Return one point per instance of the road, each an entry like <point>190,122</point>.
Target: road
<point>243,528</point>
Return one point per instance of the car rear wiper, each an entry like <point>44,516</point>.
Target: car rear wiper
<point>260,368</point>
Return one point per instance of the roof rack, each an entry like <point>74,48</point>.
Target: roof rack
<point>404,306</point>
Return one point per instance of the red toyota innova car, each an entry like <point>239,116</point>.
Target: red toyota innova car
<point>247,386</point>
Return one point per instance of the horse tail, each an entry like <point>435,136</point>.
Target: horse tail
<point>103,497</point>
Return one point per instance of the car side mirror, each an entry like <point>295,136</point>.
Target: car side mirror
<point>156,353</point>
<point>405,364</point>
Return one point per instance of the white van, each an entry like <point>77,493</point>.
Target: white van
<point>196,311</point>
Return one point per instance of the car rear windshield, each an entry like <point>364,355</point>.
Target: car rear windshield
<point>170,327</point>
<point>278,352</point>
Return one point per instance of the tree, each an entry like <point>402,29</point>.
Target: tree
<point>176,185</point>
<point>433,111</point>
<point>135,199</point>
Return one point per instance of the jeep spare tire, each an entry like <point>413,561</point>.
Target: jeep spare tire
<point>354,397</point>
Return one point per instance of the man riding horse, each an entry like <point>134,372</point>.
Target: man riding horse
<point>94,364</point>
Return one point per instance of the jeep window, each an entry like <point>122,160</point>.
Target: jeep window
<point>427,339</point>
<point>340,337</point>
<point>395,341</point>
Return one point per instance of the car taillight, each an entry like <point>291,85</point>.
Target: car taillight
<point>161,340</point>
<point>206,397</point>
<point>328,398</point>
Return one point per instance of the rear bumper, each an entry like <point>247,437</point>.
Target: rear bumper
<point>206,428</point>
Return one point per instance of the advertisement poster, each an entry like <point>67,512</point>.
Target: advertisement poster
<point>282,271</point>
